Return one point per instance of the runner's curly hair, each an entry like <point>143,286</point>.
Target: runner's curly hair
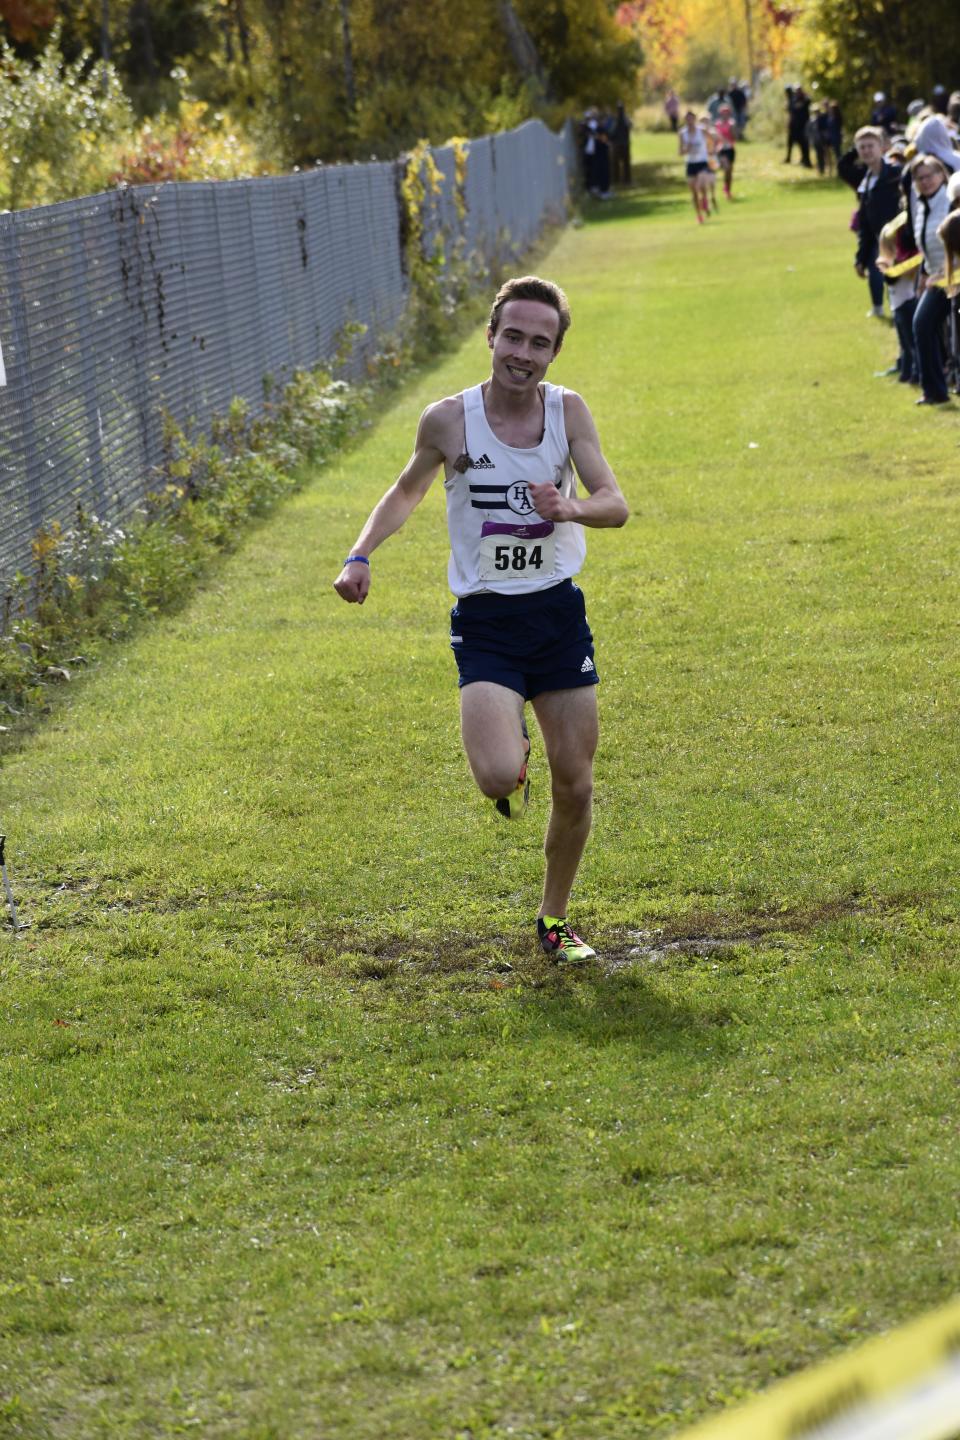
<point>531,287</point>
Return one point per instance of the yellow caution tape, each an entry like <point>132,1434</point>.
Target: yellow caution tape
<point>904,267</point>
<point>901,1386</point>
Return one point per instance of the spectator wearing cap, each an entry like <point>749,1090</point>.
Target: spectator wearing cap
<point>884,112</point>
<point>932,205</point>
<point>879,202</point>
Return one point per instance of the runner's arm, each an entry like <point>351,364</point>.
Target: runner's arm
<point>394,508</point>
<point>604,504</point>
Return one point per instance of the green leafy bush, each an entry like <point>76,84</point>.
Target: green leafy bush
<point>57,121</point>
<point>91,581</point>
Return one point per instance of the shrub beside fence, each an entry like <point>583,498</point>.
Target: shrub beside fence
<point>119,308</point>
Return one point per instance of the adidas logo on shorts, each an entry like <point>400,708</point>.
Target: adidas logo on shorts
<point>587,665</point>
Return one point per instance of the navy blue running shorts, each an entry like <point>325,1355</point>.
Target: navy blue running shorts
<point>530,643</point>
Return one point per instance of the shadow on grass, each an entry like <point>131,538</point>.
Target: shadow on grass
<point>793,177</point>
<point>596,1008</point>
<point>655,188</point>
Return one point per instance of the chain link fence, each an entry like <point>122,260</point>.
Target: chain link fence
<point>117,309</point>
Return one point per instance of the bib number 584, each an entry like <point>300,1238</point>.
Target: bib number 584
<point>517,557</point>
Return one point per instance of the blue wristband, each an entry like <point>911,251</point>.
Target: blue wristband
<point>357,559</point>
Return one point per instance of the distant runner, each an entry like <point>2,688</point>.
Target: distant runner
<point>726,130</point>
<point>713,164</point>
<point>519,631</point>
<point>693,147</point>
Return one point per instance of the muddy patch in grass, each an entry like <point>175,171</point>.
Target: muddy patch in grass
<point>699,936</point>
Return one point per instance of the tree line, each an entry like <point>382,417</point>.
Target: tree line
<point>330,80</point>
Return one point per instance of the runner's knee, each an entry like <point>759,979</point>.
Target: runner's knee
<point>573,791</point>
<point>496,779</point>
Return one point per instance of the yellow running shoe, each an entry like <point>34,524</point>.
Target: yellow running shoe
<point>561,942</point>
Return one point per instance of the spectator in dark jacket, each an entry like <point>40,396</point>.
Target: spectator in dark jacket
<point>620,145</point>
<point>931,184</point>
<point>738,99</point>
<point>850,169</point>
<point>879,193</point>
<point>884,112</point>
<point>798,118</point>
<point>835,128</point>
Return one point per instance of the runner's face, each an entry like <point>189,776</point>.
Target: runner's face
<point>524,344</point>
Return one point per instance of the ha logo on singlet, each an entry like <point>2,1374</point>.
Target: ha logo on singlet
<point>518,498</point>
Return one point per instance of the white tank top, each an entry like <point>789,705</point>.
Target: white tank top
<point>694,145</point>
<point>498,542</point>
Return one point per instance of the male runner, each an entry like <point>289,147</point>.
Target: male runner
<point>518,630</point>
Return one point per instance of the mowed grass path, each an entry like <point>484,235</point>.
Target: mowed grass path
<point>288,1151</point>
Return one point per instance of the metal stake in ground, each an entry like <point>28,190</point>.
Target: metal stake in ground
<point>6,885</point>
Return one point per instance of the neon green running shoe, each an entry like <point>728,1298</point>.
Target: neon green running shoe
<point>561,942</point>
<point>514,805</point>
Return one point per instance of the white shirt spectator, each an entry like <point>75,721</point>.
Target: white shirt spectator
<point>927,215</point>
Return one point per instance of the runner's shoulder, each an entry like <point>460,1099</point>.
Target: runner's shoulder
<point>575,410</point>
<point>442,423</point>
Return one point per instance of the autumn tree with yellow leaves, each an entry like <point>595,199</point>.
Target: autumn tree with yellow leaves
<point>697,44</point>
<point>348,79</point>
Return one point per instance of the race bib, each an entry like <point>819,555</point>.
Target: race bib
<point>509,552</point>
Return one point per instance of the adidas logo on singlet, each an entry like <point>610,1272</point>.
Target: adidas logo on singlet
<point>484,463</point>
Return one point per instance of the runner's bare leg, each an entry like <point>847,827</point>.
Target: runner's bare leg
<point>490,723</point>
<point>569,724</point>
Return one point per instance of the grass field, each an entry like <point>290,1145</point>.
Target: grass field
<point>301,1137</point>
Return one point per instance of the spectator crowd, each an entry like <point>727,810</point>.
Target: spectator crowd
<point>905,172</point>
